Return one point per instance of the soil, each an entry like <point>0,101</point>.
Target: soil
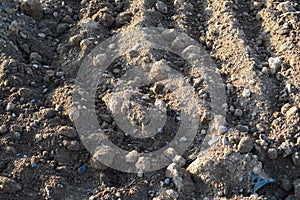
<point>255,46</point>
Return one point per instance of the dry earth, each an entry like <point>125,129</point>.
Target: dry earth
<point>256,48</point>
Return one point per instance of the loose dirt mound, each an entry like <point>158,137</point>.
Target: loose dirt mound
<point>255,46</point>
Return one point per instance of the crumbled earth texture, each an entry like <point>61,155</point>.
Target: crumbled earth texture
<point>256,48</point>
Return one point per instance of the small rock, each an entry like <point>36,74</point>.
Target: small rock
<point>285,108</point>
<point>75,40</point>
<point>60,74</point>
<point>73,146</point>
<point>238,113</point>
<point>245,145</point>
<point>188,6</point>
<point>272,153</point>
<point>9,185</point>
<point>178,44</point>
<point>35,57</point>
<point>223,129</point>
<point>16,128</point>
<point>167,181</point>
<point>173,172</point>
<point>159,71</point>
<point>148,4</point>
<point>274,64</point>
<point>179,160</point>
<point>10,106</point>
<point>286,184</point>
<point>67,131</point>
<point>104,17</point>
<point>297,188</point>
<point>161,7</point>
<point>257,5</point>
<point>32,8</point>
<point>61,28</point>
<point>183,139</point>
<point>106,118</point>
<point>68,19</point>
<point>285,7</point>
<point>172,193</point>
<point>132,156</point>
<point>3,129</point>
<point>291,111</point>
<point>140,173</point>
<point>9,150</point>
<point>296,159</point>
<point>116,71</point>
<point>265,70</point>
<point>25,92</point>
<point>122,18</point>
<point>246,93</point>
<point>143,163</point>
<point>178,2</point>
<point>47,113</point>
<point>96,164</point>
<point>42,35</point>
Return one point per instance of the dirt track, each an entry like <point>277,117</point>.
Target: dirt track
<point>255,46</point>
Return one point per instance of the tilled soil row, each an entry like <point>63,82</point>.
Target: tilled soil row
<point>255,48</point>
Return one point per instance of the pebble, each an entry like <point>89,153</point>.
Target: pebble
<point>132,156</point>
<point>10,106</point>
<point>25,92</point>
<point>297,188</point>
<point>82,169</point>
<point>3,129</point>
<point>274,64</point>
<point>35,57</point>
<point>183,139</point>
<point>161,7</point>
<point>272,153</point>
<point>238,113</point>
<point>68,19</point>
<point>286,184</point>
<point>167,181</point>
<point>15,128</point>
<point>122,18</point>
<point>172,193</point>
<point>9,185</point>
<point>42,35</point>
<point>140,173</point>
<point>291,111</point>
<point>67,131</point>
<point>265,70</point>
<point>75,40</point>
<point>285,108</point>
<point>178,44</point>
<point>104,18</point>
<point>148,4</point>
<point>47,113</point>
<point>223,129</point>
<point>179,160</point>
<point>62,27</point>
<point>143,164</point>
<point>73,146</point>
<point>159,71</point>
<point>32,8</point>
<point>60,74</point>
<point>173,172</point>
<point>245,145</point>
<point>246,93</point>
<point>296,159</point>
<point>285,7</point>
<point>178,2</point>
<point>257,4</point>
